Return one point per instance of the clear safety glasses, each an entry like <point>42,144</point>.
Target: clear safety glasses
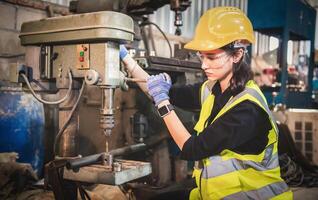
<point>212,57</point>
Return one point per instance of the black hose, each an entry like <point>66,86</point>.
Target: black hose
<point>164,35</point>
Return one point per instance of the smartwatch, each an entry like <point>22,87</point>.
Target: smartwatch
<point>164,110</point>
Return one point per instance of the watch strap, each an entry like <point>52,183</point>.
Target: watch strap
<point>165,109</point>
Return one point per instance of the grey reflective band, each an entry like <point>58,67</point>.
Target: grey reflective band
<point>207,90</point>
<point>205,94</point>
<point>266,192</point>
<point>219,167</point>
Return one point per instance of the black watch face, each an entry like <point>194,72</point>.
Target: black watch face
<point>163,110</point>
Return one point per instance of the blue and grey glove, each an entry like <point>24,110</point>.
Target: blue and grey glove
<point>122,51</point>
<point>158,87</point>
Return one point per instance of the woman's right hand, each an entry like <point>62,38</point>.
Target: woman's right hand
<point>158,87</point>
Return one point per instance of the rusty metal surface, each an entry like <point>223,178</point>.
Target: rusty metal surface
<point>67,144</point>
<point>81,28</point>
<point>103,174</point>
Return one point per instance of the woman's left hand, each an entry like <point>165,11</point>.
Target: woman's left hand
<point>158,87</point>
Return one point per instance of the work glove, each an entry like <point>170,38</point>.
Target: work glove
<point>123,52</point>
<point>158,87</point>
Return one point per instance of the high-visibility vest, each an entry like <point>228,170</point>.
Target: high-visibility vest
<point>231,175</point>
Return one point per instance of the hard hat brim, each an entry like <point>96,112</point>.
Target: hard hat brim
<point>200,45</point>
<point>209,45</point>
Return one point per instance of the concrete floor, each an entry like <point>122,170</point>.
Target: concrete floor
<point>302,193</point>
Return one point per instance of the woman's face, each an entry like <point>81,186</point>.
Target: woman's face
<point>216,64</point>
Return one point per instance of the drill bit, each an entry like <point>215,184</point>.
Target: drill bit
<point>107,144</point>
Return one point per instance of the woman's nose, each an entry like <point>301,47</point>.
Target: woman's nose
<point>204,65</point>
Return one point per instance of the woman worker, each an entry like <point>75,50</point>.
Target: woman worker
<point>236,141</point>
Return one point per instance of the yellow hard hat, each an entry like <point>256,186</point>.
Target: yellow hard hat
<point>220,26</point>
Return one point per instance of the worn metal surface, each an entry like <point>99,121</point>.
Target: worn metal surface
<point>105,175</point>
<point>103,58</point>
<point>90,27</point>
<point>68,141</point>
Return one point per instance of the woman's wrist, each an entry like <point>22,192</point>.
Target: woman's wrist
<point>163,103</point>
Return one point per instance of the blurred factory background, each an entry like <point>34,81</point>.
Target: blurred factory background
<point>66,103</point>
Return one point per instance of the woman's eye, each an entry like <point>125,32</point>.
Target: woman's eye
<point>211,57</point>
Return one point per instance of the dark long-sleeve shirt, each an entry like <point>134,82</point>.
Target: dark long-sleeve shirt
<point>242,129</point>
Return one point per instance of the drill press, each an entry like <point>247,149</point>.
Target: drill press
<point>88,45</point>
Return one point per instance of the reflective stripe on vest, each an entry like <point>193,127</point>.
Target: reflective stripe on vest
<point>231,175</point>
<point>266,192</point>
<point>206,89</point>
<point>233,164</point>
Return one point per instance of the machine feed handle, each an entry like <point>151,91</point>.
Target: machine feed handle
<point>77,163</point>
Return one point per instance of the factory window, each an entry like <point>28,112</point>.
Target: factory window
<point>297,125</point>
<point>308,126</point>
<point>308,136</point>
<point>298,135</point>
<point>303,136</point>
<point>308,140</point>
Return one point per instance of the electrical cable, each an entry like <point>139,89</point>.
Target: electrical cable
<point>296,176</point>
<point>144,39</point>
<point>50,102</point>
<point>164,35</point>
<point>59,134</point>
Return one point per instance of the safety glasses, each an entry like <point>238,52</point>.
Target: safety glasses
<point>213,59</point>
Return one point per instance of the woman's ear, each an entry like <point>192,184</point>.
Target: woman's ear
<point>238,55</point>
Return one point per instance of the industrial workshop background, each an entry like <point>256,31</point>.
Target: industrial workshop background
<point>73,124</point>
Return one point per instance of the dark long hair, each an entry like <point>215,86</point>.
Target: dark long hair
<point>242,71</point>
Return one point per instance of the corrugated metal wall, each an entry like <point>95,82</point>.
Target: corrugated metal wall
<point>165,18</point>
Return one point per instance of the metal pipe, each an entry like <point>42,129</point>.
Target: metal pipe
<point>75,164</point>
<point>128,149</point>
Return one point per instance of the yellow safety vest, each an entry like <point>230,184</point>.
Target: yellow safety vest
<point>232,175</point>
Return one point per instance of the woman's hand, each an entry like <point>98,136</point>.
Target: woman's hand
<point>123,52</point>
<point>158,87</point>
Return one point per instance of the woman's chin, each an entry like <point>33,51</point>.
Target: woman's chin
<point>212,78</point>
